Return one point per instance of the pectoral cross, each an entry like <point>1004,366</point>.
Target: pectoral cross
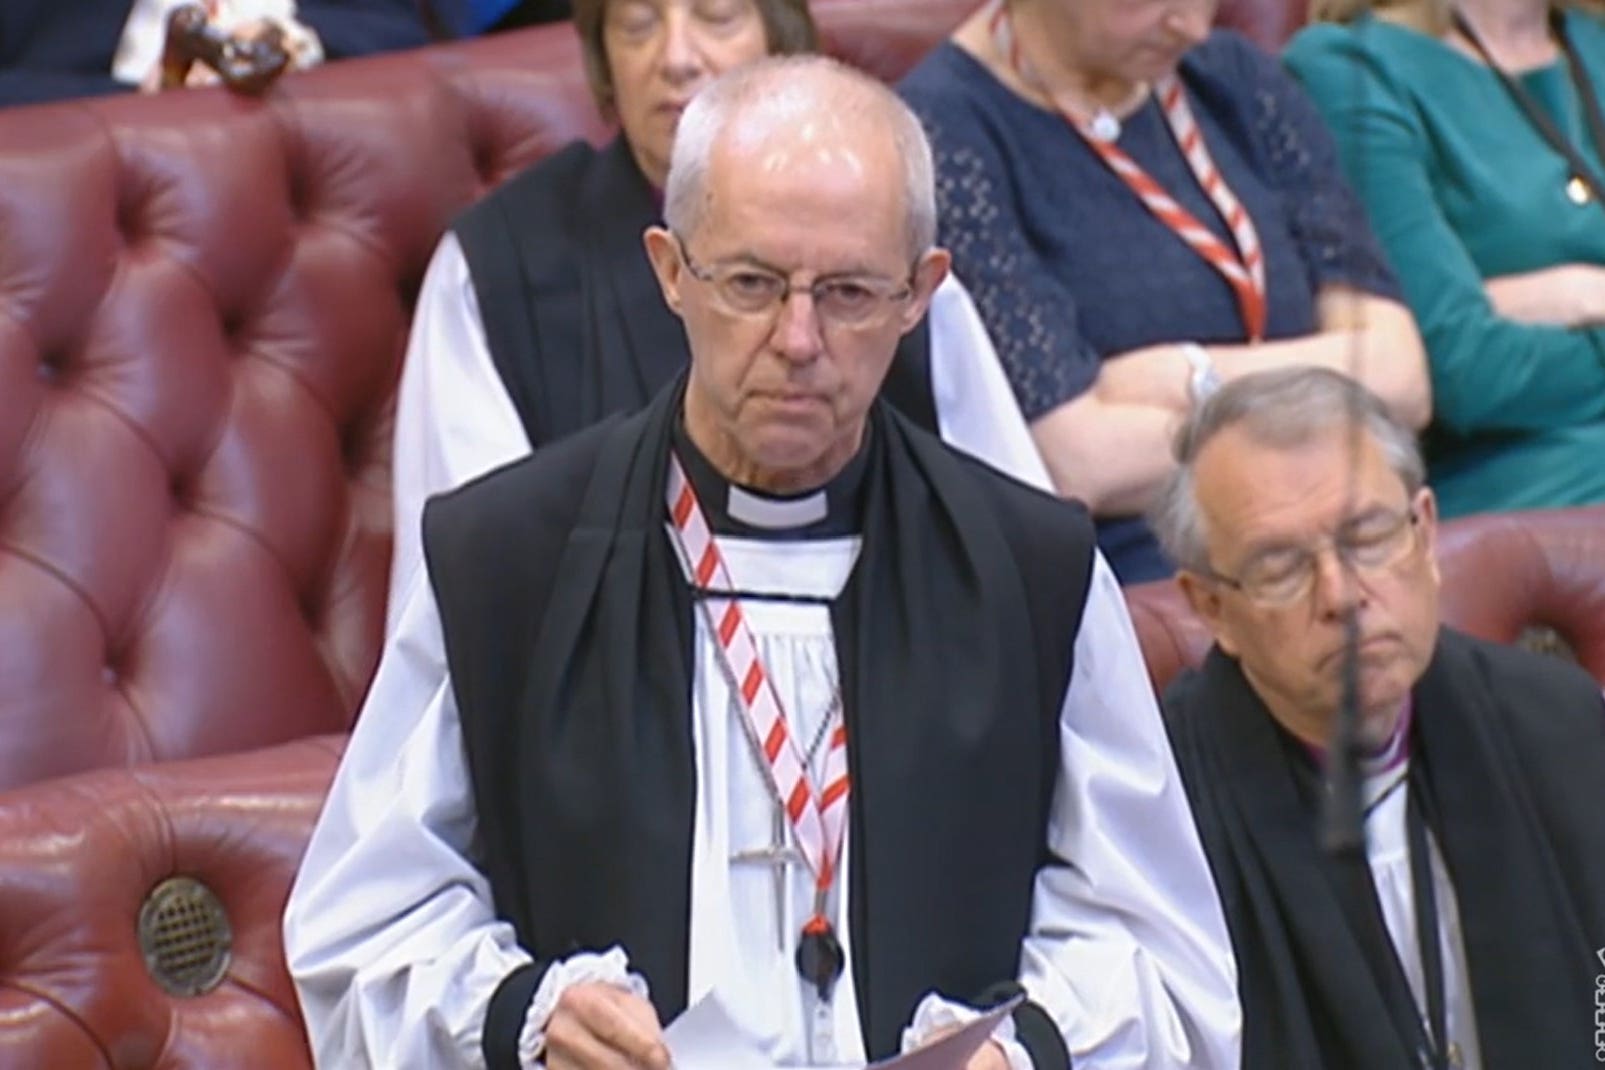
<point>779,854</point>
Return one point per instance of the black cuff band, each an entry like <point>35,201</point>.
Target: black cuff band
<point>504,1020</point>
<point>1034,1029</point>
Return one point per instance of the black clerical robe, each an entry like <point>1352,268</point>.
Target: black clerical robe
<point>1507,755</point>
<point>574,317</point>
<point>568,631</point>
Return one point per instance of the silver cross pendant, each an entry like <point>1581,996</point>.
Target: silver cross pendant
<point>778,855</point>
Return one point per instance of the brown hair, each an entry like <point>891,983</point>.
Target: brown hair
<point>788,28</point>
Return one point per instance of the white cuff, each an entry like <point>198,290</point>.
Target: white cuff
<point>935,1013</point>
<point>611,967</point>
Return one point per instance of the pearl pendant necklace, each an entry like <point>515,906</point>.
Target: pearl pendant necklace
<point>1104,126</point>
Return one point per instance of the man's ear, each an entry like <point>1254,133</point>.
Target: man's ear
<point>929,272</point>
<point>1426,506</point>
<point>1204,598</point>
<point>664,252</point>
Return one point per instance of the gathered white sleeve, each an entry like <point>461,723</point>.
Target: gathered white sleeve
<point>975,408</point>
<point>454,418</point>
<point>390,935</point>
<point>1128,949</point>
<point>934,1013</point>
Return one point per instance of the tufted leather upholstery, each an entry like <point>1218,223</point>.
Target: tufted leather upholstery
<point>1516,572</point>
<point>1504,576</point>
<point>203,304</point>
<point>78,855</point>
<point>202,307</point>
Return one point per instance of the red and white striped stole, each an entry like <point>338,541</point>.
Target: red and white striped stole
<point>817,816</point>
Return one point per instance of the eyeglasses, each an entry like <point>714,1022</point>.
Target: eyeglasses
<point>1283,575</point>
<point>841,300</point>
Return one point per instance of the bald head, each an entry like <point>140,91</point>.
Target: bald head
<point>777,113</point>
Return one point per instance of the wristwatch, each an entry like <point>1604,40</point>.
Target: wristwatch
<point>1205,380</point>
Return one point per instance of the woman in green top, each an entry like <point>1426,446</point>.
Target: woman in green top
<point>1495,225</point>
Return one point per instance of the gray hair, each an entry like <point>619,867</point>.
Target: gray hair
<point>1285,408</point>
<point>775,93</point>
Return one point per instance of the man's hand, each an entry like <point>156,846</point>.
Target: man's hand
<point>599,1026</point>
<point>989,1057</point>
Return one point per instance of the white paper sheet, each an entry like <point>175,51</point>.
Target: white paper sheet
<point>706,1037</point>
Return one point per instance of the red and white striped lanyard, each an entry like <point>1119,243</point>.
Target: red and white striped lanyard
<point>818,818</point>
<point>1243,267</point>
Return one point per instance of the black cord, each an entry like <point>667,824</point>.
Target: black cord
<point>1536,116</point>
<point>1427,929</point>
<point>704,594</point>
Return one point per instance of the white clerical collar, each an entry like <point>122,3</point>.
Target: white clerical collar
<point>731,509</point>
<point>762,511</point>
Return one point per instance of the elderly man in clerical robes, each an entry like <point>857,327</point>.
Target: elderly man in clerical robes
<point>1456,920</point>
<point>763,692</point>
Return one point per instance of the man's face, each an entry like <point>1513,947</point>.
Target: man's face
<point>780,394</point>
<point>1266,511</point>
<point>660,52</point>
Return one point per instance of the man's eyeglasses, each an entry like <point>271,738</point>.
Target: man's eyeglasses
<point>1286,574</point>
<point>840,300</point>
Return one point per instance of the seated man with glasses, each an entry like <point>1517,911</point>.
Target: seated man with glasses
<point>765,693</point>
<point>1449,911</point>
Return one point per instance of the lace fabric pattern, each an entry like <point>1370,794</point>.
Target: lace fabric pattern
<point>1067,267</point>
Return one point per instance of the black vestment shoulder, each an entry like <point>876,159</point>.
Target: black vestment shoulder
<point>1509,748</point>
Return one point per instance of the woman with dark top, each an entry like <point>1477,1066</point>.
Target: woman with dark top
<point>1120,275</point>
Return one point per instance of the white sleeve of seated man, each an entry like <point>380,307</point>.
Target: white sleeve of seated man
<point>975,406</point>
<point>1128,950</point>
<point>454,417</point>
<point>390,934</point>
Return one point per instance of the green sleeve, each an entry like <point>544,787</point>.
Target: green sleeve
<point>1488,373</point>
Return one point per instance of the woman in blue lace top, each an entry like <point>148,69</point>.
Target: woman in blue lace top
<point>1121,276</point>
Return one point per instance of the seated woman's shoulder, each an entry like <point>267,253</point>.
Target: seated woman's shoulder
<point>1229,56</point>
<point>950,90</point>
<point>1586,22</point>
<point>1323,40</point>
<point>946,71</point>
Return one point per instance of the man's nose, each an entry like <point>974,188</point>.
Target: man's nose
<point>1337,584</point>
<point>797,334</point>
